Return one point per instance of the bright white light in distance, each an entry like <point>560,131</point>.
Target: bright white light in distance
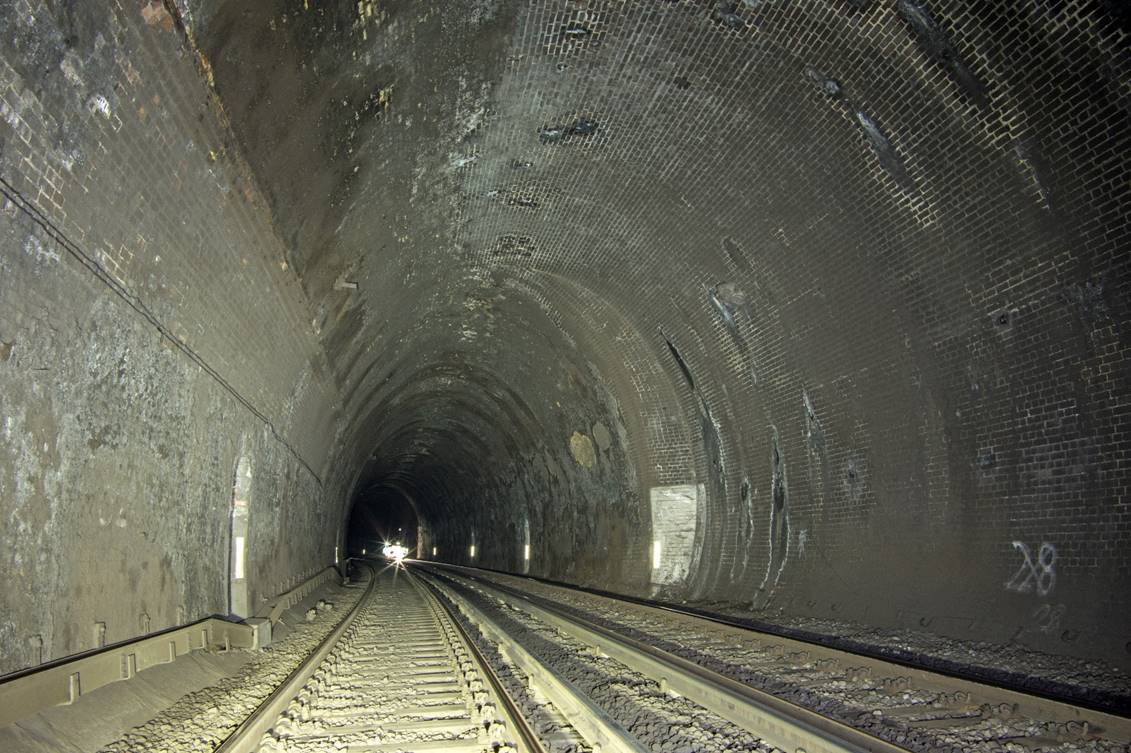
<point>526,552</point>
<point>362,552</point>
<point>473,550</point>
<point>433,551</point>
<point>655,555</point>
<point>395,552</point>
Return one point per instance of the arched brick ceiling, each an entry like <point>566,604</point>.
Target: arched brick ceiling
<point>858,268</point>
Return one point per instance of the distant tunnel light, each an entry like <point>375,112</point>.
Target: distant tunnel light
<point>473,551</point>
<point>239,557</point>
<point>656,547</point>
<point>395,552</point>
<point>336,557</point>
<point>526,552</point>
<point>433,551</point>
<point>363,552</point>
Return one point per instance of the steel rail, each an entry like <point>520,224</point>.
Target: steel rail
<point>776,721</point>
<point>246,737</point>
<point>512,715</point>
<point>587,718</point>
<point>1031,704</point>
<point>1112,704</point>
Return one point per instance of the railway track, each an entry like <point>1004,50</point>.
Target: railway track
<point>795,695</point>
<point>454,661</point>
<point>417,666</point>
<point>395,675</point>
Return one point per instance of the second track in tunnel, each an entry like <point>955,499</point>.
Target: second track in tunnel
<point>801,695</point>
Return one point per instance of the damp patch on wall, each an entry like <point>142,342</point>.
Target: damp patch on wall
<point>937,45</point>
<point>581,447</point>
<point>779,524</point>
<point>684,369</point>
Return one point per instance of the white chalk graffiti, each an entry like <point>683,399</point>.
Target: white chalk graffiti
<point>1039,574</point>
<point>1047,617</point>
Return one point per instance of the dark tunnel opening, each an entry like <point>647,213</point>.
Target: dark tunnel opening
<point>381,515</point>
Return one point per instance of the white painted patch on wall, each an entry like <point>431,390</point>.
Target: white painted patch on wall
<point>526,545</point>
<point>674,522</point>
<point>239,590</point>
<point>239,557</point>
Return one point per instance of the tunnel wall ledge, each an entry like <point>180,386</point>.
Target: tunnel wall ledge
<point>63,681</point>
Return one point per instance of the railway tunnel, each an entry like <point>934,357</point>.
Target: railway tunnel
<point>811,312</point>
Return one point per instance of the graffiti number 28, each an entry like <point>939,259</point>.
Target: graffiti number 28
<point>1039,574</point>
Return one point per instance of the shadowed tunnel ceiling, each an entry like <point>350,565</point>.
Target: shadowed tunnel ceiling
<point>811,309</point>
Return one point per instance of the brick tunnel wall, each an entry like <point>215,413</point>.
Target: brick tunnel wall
<point>830,299</point>
<point>151,335</point>
<point>853,276</point>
